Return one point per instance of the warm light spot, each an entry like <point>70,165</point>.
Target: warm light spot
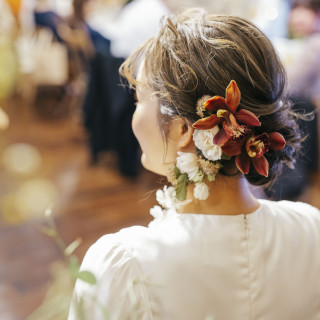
<point>32,199</point>
<point>35,196</point>
<point>21,158</point>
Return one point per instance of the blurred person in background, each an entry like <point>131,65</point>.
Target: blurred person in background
<point>108,107</point>
<point>81,40</point>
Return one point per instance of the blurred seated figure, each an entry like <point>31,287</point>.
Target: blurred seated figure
<point>81,40</point>
<point>301,55</point>
<point>82,43</point>
<point>45,17</point>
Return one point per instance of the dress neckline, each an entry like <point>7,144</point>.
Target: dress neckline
<point>257,211</point>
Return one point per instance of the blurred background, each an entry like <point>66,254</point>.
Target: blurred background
<point>66,145</point>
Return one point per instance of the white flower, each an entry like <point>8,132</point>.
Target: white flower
<point>201,191</point>
<point>157,212</point>
<point>188,163</point>
<point>167,197</point>
<point>203,140</point>
<point>198,177</point>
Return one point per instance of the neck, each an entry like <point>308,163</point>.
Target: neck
<point>228,196</point>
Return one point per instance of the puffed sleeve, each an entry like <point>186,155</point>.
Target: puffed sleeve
<point>121,290</point>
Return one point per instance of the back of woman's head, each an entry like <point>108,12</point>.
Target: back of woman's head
<point>196,54</point>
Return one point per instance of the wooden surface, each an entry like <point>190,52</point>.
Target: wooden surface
<point>92,201</point>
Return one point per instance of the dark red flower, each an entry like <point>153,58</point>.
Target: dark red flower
<point>254,149</point>
<point>234,123</point>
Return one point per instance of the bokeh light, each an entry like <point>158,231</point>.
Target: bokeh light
<point>21,159</point>
<point>31,200</point>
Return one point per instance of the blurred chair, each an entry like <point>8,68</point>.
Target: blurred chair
<point>81,43</point>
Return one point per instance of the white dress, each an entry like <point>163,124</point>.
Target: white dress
<point>264,265</point>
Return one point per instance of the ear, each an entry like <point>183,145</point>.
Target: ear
<point>182,133</point>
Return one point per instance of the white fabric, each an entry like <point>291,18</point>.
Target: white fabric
<point>264,265</point>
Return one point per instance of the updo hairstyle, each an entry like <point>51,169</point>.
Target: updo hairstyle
<point>196,54</point>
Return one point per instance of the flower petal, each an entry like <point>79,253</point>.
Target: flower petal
<point>277,141</point>
<point>243,162</point>
<point>207,123</point>
<point>216,103</point>
<point>232,128</point>
<point>232,148</point>
<point>220,138</point>
<point>261,165</point>
<point>233,96</point>
<point>248,118</point>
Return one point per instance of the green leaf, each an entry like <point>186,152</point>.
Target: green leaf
<point>177,172</point>
<point>211,177</point>
<point>74,266</point>
<point>225,157</point>
<point>87,276</point>
<point>181,188</point>
<point>48,231</point>
<point>73,246</point>
<point>199,177</point>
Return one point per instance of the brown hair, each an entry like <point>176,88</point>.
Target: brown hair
<point>196,54</point>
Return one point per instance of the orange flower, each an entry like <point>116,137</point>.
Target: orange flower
<point>254,150</point>
<point>234,123</point>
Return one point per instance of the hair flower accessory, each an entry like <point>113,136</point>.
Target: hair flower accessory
<point>232,130</point>
<point>234,123</point>
<point>192,168</point>
<point>254,150</point>
<point>222,134</point>
<point>168,204</point>
<point>203,139</point>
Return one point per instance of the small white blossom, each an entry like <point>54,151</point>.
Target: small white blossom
<point>188,163</point>
<point>203,140</point>
<point>167,197</point>
<point>201,191</point>
<point>198,177</point>
<point>200,105</point>
<point>157,212</point>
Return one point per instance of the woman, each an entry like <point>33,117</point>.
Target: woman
<point>211,116</point>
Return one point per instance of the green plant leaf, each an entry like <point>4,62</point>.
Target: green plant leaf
<point>211,177</point>
<point>181,188</point>
<point>48,231</point>
<point>199,177</point>
<point>177,172</point>
<point>73,246</point>
<point>74,266</point>
<point>87,276</point>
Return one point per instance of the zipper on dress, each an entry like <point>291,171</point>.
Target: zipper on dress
<point>245,219</point>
